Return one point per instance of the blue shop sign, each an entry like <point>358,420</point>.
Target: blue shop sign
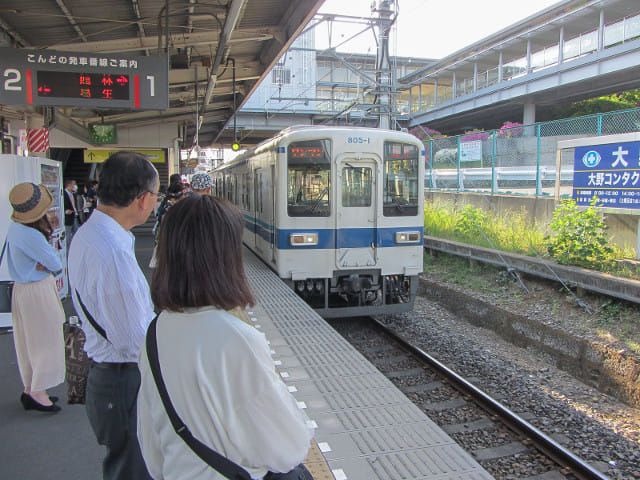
<point>610,172</point>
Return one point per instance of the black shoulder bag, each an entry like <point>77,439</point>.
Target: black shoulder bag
<point>212,458</point>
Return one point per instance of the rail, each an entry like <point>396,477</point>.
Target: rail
<point>544,443</point>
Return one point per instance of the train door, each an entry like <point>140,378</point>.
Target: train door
<point>264,222</point>
<point>356,218</point>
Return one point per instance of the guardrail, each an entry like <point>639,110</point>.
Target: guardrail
<point>496,178</point>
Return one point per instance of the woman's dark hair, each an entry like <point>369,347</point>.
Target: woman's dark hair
<point>175,190</point>
<point>125,176</point>
<point>199,257</point>
<point>43,226</point>
<point>175,178</point>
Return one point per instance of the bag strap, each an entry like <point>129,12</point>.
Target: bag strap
<point>212,458</point>
<point>4,247</point>
<point>92,320</point>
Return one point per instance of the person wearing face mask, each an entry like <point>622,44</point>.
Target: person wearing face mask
<point>71,219</point>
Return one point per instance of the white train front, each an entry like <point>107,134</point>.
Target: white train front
<point>336,212</point>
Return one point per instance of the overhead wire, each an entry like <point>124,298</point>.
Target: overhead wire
<point>326,17</point>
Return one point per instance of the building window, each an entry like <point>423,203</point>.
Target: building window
<point>281,76</point>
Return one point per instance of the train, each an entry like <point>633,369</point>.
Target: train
<point>336,212</point>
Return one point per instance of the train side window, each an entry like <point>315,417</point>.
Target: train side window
<point>356,186</point>
<point>308,178</point>
<point>400,187</point>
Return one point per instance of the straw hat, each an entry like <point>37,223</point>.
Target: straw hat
<point>30,202</point>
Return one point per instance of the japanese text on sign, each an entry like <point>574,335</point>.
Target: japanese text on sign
<point>610,172</point>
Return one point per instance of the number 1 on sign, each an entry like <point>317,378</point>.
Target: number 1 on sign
<point>152,85</point>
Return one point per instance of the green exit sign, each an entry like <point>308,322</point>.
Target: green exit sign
<point>103,134</point>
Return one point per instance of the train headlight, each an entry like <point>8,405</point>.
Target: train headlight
<point>303,239</point>
<point>407,237</point>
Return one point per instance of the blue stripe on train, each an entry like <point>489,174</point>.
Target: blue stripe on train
<point>331,238</point>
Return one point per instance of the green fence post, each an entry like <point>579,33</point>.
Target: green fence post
<point>431,182</point>
<point>538,176</point>
<point>458,155</point>
<point>493,164</point>
<point>599,124</point>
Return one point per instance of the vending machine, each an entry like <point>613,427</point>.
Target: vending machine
<point>16,169</point>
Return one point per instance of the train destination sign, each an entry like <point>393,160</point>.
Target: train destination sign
<point>610,172</point>
<point>98,80</point>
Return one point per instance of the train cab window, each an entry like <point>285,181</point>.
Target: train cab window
<point>400,187</point>
<point>356,186</point>
<point>308,174</point>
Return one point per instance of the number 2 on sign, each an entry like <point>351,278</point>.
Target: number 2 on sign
<point>12,81</point>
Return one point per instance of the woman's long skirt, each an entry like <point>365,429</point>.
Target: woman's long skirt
<point>37,316</point>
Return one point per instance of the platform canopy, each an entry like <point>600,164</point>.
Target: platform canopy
<point>202,41</point>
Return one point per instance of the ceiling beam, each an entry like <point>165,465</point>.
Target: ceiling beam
<point>136,11</point>
<point>296,17</point>
<point>236,9</point>
<point>71,20</point>
<point>183,40</point>
<point>9,30</point>
<point>189,119</point>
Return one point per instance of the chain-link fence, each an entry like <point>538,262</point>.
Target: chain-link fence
<point>516,159</point>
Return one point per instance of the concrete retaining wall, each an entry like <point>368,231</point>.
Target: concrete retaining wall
<point>607,370</point>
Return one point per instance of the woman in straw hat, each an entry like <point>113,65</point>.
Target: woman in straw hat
<point>36,311</point>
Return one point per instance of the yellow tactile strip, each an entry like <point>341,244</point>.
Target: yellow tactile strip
<point>316,463</point>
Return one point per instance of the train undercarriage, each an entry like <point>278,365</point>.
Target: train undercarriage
<point>355,293</point>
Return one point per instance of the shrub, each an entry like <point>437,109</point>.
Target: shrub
<point>425,134</point>
<point>472,135</point>
<point>511,130</point>
<point>580,236</point>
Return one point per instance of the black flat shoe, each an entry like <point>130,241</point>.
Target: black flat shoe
<point>53,399</point>
<point>30,404</point>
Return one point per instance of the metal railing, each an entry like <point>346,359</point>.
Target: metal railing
<point>516,159</point>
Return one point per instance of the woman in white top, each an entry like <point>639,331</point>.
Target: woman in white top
<point>217,369</point>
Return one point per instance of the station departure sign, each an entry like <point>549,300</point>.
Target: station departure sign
<point>92,80</point>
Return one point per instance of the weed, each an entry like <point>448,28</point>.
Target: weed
<point>580,236</point>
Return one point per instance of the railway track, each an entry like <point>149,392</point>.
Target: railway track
<point>498,438</point>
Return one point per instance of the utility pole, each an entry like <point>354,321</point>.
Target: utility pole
<point>383,65</point>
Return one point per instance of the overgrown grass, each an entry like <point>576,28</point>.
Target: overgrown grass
<point>511,232</point>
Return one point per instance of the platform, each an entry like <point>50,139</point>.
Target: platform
<point>366,428</point>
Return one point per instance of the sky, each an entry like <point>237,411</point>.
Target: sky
<point>428,28</point>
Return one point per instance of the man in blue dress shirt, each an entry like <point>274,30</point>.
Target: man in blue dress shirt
<point>111,295</point>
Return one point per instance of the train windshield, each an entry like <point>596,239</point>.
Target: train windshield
<point>308,174</point>
<point>400,197</point>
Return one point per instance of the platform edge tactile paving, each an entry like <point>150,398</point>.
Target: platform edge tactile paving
<point>368,428</point>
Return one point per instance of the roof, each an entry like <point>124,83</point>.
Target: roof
<point>541,29</point>
<point>203,40</point>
